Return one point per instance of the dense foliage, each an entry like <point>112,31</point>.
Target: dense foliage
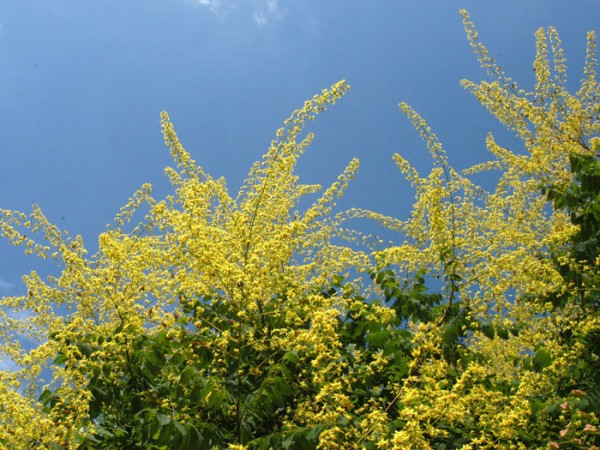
<point>212,321</point>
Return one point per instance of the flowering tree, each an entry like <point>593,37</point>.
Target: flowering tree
<point>521,280</point>
<point>212,321</point>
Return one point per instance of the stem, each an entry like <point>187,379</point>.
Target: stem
<point>238,415</point>
<point>259,200</point>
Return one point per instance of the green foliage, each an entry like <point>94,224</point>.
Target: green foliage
<point>581,198</point>
<point>578,390</point>
<point>165,396</point>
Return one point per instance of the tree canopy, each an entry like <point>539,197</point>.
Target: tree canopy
<point>211,320</point>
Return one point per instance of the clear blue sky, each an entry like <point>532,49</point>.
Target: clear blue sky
<point>82,84</point>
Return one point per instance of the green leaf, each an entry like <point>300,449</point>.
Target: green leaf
<point>60,359</point>
<point>488,330</point>
<point>502,331</point>
<point>450,334</point>
<point>187,375</point>
<point>182,429</point>
<point>291,357</point>
<point>542,359</point>
<point>337,280</point>
<point>378,338</point>
<point>45,396</point>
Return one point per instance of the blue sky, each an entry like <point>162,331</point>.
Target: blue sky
<point>83,83</point>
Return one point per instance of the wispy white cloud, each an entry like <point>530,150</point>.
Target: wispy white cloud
<point>260,18</point>
<point>270,10</point>
<point>274,9</point>
<point>262,11</point>
<point>5,285</point>
<point>219,7</point>
<point>213,5</point>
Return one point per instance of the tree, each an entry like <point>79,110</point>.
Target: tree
<point>211,321</point>
<point>501,254</point>
<point>200,291</point>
